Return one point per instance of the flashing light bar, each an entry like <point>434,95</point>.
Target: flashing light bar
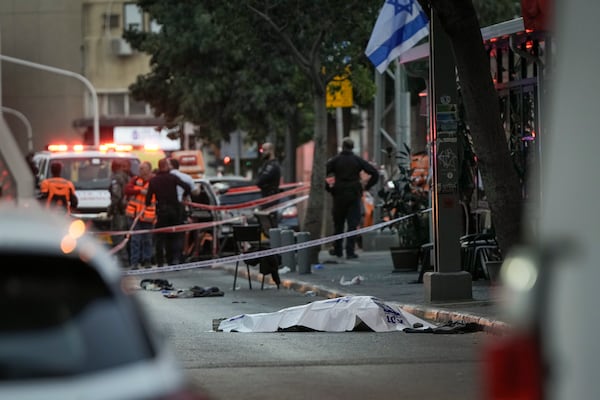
<point>115,147</point>
<point>105,147</point>
<point>58,147</point>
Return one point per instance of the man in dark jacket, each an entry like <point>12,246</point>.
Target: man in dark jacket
<point>347,192</point>
<point>168,210</point>
<point>269,173</point>
<point>121,173</point>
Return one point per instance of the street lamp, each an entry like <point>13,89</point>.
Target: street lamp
<point>65,72</point>
<point>25,122</point>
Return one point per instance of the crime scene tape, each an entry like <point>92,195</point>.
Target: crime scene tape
<point>249,204</point>
<point>172,228</point>
<point>198,225</point>
<point>284,205</point>
<point>268,252</point>
<point>204,225</point>
<point>187,227</point>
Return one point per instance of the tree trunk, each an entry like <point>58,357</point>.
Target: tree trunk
<point>501,182</point>
<point>313,219</point>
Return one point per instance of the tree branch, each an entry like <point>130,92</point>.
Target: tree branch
<point>303,62</point>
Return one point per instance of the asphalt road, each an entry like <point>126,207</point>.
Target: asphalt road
<point>305,365</point>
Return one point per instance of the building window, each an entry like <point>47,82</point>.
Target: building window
<point>132,17</point>
<point>110,21</point>
<point>122,104</point>
<point>116,104</point>
<point>137,107</point>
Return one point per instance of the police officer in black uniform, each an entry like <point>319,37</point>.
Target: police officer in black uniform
<point>347,192</point>
<point>269,173</point>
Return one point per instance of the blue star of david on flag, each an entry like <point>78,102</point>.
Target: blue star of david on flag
<point>400,25</point>
<point>400,6</point>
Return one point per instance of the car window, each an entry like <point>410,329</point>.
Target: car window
<point>61,319</point>
<point>237,198</point>
<point>205,195</point>
<point>88,173</point>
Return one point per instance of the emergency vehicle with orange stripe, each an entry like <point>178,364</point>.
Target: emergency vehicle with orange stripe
<point>89,168</point>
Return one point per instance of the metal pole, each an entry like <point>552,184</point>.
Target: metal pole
<point>19,173</point>
<point>377,115</point>
<point>25,122</point>
<point>339,124</point>
<point>448,281</point>
<point>402,109</point>
<point>65,72</point>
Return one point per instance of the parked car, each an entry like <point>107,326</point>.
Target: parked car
<point>69,330</point>
<point>205,242</point>
<point>233,190</point>
<point>551,282</point>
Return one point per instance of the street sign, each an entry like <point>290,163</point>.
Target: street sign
<point>339,93</point>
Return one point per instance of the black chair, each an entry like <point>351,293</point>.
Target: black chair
<point>248,238</point>
<point>477,250</point>
<point>267,220</point>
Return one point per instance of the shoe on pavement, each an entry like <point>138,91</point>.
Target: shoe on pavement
<point>333,253</point>
<point>352,256</point>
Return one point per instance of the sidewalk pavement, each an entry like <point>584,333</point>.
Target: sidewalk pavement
<point>378,279</point>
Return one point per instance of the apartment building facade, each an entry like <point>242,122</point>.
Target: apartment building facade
<point>84,37</point>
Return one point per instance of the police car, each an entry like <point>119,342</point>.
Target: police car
<point>89,168</point>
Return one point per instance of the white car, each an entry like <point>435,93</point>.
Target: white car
<point>90,171</point>
<point>69,330</point>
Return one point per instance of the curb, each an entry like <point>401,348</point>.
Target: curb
<point>436,315</point>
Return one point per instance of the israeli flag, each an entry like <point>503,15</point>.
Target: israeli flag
<point>400,25</point>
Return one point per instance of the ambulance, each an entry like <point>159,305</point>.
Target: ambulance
<point>89,168</point>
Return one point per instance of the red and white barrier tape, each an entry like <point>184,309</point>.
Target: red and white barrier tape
<point>173,228</point>
<point>249,204</point>
<point>285,205</point>
<point>202,225</point>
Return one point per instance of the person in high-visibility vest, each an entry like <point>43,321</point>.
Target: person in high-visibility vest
<point>57,192</point>
<point>140,251</point>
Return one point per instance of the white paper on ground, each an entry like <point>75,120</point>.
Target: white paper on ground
<point>331,315</point>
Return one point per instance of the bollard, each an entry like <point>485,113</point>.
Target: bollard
<point>303,264</point>
<point>274,237</point>
<point>288,258</point>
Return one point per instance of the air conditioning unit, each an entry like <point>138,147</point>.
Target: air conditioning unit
<point>120,47</point>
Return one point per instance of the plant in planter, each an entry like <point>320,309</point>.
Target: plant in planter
<point>405,196</point>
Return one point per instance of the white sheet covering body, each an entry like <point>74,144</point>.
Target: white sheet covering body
<point>332,315</point>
